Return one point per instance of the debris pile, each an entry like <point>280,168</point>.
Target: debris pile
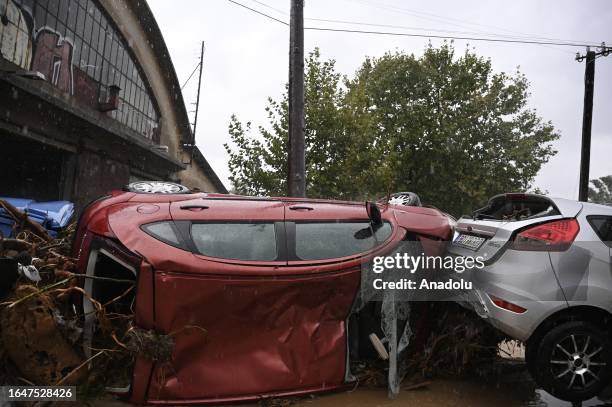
<point>42,318</point>
<point>460,344</point>
<point>450,342</point>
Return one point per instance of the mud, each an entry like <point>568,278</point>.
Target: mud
<point>437,393</point>
<point>33,341</point>
<point>450,393</point>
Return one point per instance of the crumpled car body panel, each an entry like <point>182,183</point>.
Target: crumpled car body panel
<point>263,334</point>
<point>242,331</point>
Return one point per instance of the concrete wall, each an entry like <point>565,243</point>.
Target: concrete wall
<point>194,177</point>
<point>95,173</point>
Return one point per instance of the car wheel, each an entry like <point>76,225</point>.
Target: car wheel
<point>157,187</point>
<point>405,199</point>
<point>574,361</point>
<point>531,354</point>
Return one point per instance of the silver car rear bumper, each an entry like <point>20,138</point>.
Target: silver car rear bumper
<point>525,279</point>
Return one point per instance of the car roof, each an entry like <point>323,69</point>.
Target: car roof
<point>143,197</point>
<point>591,208</point>
<point>158,198</point>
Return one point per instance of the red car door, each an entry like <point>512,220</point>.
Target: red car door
<point>332,242</point>
<point>270,329</point>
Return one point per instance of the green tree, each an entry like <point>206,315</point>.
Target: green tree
<point>445,127</point>
<point>601,192</point>
<point>258,164</point>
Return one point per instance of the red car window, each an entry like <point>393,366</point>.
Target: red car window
<point>236,240</point>
<point>330,240</point>
<point>165,232</point>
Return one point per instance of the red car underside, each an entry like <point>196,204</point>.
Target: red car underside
<point>271,328</point>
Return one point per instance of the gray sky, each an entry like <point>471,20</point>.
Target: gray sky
<point>246,60</point>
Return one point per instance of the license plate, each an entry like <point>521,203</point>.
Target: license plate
<point>469,241</point>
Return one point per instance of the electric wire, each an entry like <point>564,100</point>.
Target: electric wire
<point>464,38</point>
<point>457,22</point>
<point>450,37</point>
<point>259,12</point>
<point>194,71</point>
<point>269,7</point>
<point>442,19</point>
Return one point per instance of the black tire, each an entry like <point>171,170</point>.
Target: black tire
<point>157,187</point>
<point>573,361</point>
<point>531,349</point>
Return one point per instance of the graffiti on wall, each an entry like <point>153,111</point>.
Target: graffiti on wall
<point>73,45</point>
<point>53,58</point>
<point>39,49</point>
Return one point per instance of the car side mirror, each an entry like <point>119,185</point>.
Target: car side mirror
<point>375,222</point>
<point>374,213</point>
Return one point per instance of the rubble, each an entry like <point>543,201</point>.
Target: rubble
<point>460,344</point>
<point>41,320</point>
<point>152,345</point>
<point>34,343</point>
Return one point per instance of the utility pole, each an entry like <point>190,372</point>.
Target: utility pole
<point>192,143</point>
<point>195,119</point>
<point>296,179</point>
<point>587,118</point>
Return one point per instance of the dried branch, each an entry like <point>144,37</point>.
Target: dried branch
<point>15,244</point>
<point>11,304</point>
<point>22,219</point>
<point>76,369</point>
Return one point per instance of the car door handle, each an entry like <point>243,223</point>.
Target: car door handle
<point>194,208</point>
<point>301,208</point>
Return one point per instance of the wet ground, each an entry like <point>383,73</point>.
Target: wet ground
<point>447,393</point>
<point>439,393</point>
<point>513,388</point>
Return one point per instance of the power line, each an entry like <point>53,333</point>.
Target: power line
<point>511,41</point>
<point>194,71</point>
<point>456,22</point>
<point>269,6</point>
<point>420,28</point>
<point>259,12</point>
<point>446,20</point>
<point>450,37</point>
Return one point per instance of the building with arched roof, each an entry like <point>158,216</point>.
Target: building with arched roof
<point>89,101</point>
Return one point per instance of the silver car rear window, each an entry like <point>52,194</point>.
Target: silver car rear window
<point>516,207</point>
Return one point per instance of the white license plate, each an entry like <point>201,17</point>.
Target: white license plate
<point>469,241</point>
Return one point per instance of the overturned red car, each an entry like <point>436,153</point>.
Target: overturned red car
<point>272,281</point>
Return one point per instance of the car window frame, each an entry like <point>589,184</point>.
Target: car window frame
<point>182,243</point>
<point>185,228</point>
<point>591,218</point>
<point>293,259</point>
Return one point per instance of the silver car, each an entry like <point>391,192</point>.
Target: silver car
<point>547,281</point>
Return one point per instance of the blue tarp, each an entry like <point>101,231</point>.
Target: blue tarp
<point>53,215</point>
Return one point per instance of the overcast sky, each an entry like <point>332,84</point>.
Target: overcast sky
<point>246,60</point>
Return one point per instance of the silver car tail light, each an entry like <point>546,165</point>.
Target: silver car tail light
<point>550,236</point>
